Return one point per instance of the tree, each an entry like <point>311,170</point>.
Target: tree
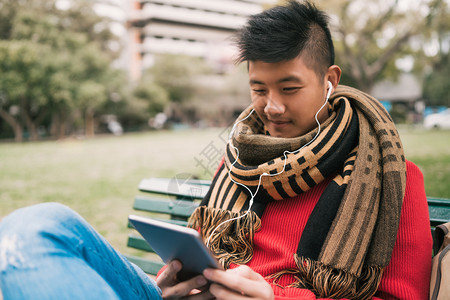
<point>371,35</point>
<point>152,97</point>
<point>93,76</point>
<point>27,78</point>
<point>436,85</point>
<point>180,77</point>
<point>177,74</point>
<point>54,62</point>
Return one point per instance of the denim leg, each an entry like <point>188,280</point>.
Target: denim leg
<point>48,251</point>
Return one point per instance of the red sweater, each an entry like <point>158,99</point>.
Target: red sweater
<point>407,275</point>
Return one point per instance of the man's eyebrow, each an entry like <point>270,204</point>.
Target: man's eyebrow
<point>252,81</point>
<point>290,78</point>
<point>285,79</point>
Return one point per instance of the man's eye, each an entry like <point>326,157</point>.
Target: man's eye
<point>290,89</point>
<point>259,92</point>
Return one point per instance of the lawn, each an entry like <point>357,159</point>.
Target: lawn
<point>430,150</point>
<point>99,177</point>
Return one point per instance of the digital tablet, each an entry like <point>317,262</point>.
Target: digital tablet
<point>172,241</point>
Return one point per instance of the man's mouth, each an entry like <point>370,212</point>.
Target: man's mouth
<point>279,123</point>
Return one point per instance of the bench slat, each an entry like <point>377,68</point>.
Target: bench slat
<point>148,266</point>
<point>439,210</point>
<point>173,207</point>
<point>138,242</point>
<point>189,189</point>
<point>176,222</point>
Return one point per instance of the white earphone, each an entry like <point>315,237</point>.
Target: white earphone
<point>330,88</point>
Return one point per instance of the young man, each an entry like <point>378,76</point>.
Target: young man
<point>331,216</point>
<point>314,198</point>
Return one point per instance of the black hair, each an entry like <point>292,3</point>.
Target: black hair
<point>285,32</point>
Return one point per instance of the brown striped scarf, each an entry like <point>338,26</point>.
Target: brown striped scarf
<point>349,237</point>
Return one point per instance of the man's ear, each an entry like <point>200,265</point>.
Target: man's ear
<point>333,75</point>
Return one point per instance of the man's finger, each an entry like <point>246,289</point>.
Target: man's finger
<point>203,295</point>
<point>184,288</point>
<point>220,292</point>
<point>244,284</point>
<point>168,276</point>
<point>247,272</point>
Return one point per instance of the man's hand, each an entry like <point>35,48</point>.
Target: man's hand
<point>239,283</point>
<point>173,289</point>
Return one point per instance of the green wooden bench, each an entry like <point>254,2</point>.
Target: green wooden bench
<point>174,200</point>
<point>170,200</point>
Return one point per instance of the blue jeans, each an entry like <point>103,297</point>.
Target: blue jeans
<point>48,251</point>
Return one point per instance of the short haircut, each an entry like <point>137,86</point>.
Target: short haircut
<point>285,32</point>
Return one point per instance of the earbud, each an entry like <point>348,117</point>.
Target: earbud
<point>330,88</point>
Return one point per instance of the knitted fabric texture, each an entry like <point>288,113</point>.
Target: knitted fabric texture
<point>349,237</point>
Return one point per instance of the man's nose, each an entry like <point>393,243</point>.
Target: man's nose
<point>273,107</point>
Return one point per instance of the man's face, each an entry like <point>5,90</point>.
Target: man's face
<point>286,96</point>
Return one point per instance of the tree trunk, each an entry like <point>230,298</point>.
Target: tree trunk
<point>54,125</point>
<point>18,132</point>
<point>62,129</point>
<point>34,136</point>
<point>89,123</point>
<point>58,126</point>
<point>32,128</point>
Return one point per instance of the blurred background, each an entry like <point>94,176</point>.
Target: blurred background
<point>96,95</point>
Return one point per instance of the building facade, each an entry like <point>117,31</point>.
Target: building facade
<point>199,28</point>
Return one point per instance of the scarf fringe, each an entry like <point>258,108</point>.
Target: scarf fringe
<point>331,283</point>
<point>231,242</point>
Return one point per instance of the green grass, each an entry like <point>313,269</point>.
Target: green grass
<point>430,151</point>
<point>98,178</point>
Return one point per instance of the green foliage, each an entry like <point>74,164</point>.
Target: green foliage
<point>154,97</point>
<point>55,63</point>
<point>172,85</point>
<point>27,74</point>
<point>437,84</point>
<point>371,35</point>
<point>176,74</point>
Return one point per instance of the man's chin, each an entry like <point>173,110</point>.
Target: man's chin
<point>280,133</point>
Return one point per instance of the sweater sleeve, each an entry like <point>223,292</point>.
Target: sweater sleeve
<point>408,274</point>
